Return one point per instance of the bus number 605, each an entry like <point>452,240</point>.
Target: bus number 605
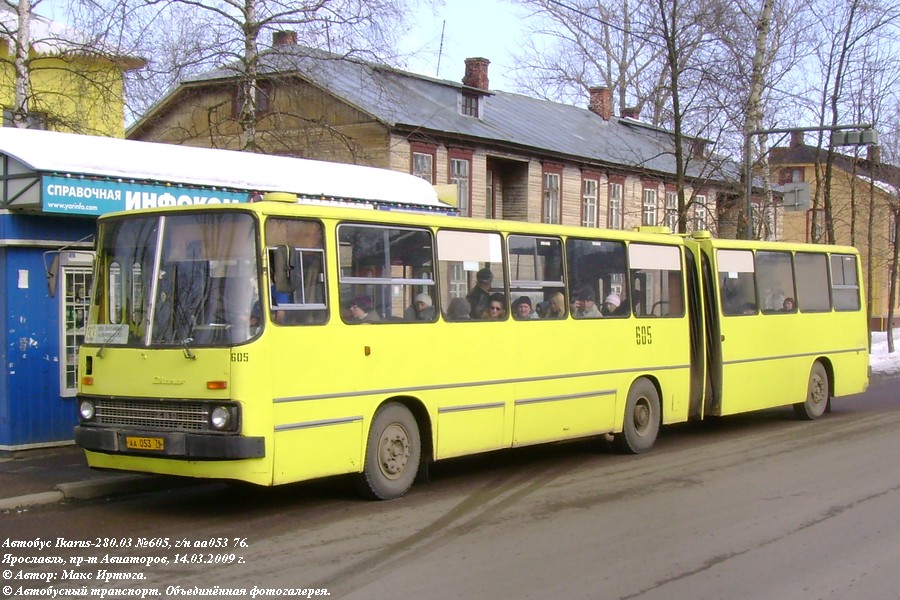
<point>642,335</point>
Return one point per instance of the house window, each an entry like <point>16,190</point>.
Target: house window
<point>469,105</point>
<point>551,197</point>
<point>648,214</point>
<point>589,203</point>
<point>615,206</point>
<point>264,93</point>
<point>700,213</point>
<point>672,210</point>
<point>33,120</point>
<point>423,164</point>
<point>790,175</point>
<point>459,175</point>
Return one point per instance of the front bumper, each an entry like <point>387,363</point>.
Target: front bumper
<point>175,445</point>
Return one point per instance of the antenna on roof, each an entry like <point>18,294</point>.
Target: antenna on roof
<point>441,49</point>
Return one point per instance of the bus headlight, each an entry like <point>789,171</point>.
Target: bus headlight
<point>86,410</point>
<point>221,418</point>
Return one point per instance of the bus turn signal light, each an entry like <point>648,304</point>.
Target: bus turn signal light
<point>216,385</point>
<point>86,380</point>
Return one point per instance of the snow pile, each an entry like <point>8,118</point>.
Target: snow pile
<point>879,359</point>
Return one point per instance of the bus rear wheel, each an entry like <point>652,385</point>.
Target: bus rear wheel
<point>817,395</point>
<point>642,418</point>
<point>393,452</point>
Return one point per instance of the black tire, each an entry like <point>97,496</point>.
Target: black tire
<point>817,395</point>
<point>393,453</point>
<point>642,419</point>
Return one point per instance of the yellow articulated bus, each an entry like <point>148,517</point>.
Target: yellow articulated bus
<point>275,342</point>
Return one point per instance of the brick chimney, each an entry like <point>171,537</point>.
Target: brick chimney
<point>476,73</point>
<point>698,147</point>
<point>797,139</point>
<point>284,38</point>
<point>632,112</point>
<point>600,102</point>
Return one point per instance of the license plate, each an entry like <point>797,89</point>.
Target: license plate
<point>145,443</point>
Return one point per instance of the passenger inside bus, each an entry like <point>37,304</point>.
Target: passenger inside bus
<point>610,305</point>
<point>522,309</point>
<point>480,295</point>
<point>458,310</point>
<point>255,319</point>
<point>496,308</point>
<point>362,310</point>
<point>584,306</point>
<point>422,309</point>
<point>788,305</point>
<point>556,307</point>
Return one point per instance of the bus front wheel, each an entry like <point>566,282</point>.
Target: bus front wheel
<point>393,452</point>
<point>817,395</point>
<point>642,418</point>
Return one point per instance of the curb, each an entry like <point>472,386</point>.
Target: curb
<point>88,489</point>
<point>31,500</point>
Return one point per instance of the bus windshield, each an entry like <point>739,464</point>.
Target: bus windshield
<point>175,280</point>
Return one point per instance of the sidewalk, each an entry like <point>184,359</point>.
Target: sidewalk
<point>48,475</point>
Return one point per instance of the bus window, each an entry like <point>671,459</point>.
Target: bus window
<point>120,300</point>
<point>384,272</point>
<point>812,282</point>
<point>296,271</point>
<point>535,274</point>
<point>844,283</point>
<point>597,268</point>
<point>656,280</point>
<point>471,267</point>
<point>775,274</point>
<point>737,284</point>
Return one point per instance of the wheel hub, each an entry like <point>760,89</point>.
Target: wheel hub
<point>393,451</point>
<point>641,416</point>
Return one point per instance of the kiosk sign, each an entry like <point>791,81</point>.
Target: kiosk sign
<point>72,196</point>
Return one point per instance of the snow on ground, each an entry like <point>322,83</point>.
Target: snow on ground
<point>880,361</point>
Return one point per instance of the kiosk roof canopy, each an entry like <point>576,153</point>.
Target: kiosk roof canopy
<point>72,154</point>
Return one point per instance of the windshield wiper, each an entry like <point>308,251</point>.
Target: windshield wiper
<point>186,349</point>
<point>112,336</point>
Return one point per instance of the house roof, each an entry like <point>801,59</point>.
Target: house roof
<point>887,176</point>
<point>408,101</point>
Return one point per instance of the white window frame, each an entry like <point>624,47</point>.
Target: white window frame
<point>700,213</point>
<point>649,207</point>
<point>589,192</point>
<point>462,181</point>
<point>616,193</point>
<point>417,167</point>
<point>672,210</point>
<point>552,207</point>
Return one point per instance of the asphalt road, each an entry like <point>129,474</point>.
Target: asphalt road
<point>758,506</point>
